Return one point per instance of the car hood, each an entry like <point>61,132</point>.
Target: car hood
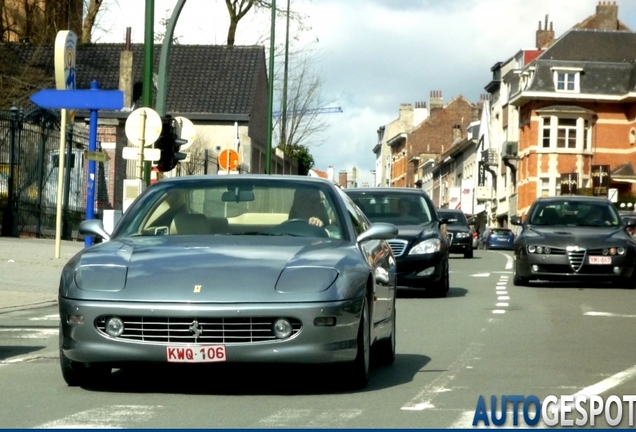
<point>200,268</point>
<point>587,237</point>
<point>408,232</point>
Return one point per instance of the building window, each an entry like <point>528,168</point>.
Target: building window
<point>567,79</point>
<point>566,133</point>
<point>545,140</point>
<point>544,190</point>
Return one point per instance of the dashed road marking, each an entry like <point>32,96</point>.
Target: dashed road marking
<point>310,418</point>
<point>112,417</point>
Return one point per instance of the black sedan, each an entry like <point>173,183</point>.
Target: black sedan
<point>459,232</point>
<point>421,248</point>
<point>574,238</point>
<point>231,269</point>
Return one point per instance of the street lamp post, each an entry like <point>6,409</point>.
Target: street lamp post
<point>270,111</point>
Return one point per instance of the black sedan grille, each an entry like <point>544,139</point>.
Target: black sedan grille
<point>210,330</point>
<point>398,247</point>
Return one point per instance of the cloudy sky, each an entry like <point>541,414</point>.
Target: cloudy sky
<point>373,55</point>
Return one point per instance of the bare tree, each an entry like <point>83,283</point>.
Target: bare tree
<point>92,10</point>
<point>237,9</point>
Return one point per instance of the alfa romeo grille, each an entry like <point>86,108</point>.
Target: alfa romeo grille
<point>577,258</point>
<point>210,330</point>
<point>398,246</point>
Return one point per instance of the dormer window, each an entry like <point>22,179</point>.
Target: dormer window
<point>567,79</point>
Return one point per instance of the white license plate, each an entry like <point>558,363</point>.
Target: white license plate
<point>600,260</point>
<point>196,354</point>
<point>503,239</point>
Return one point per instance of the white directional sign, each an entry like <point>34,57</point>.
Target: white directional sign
<point>185,130</point>
<point>143,123</point>
<point>150,154</point>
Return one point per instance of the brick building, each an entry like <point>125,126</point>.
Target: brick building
<point>576,106</point>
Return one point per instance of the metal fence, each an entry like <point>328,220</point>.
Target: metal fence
<point>29,174</point>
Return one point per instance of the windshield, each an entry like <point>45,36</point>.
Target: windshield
<point>573,213</point>
<point>234,207</point>
<point>398,209</point>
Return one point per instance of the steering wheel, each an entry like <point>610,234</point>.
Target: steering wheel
<point>296,220</point>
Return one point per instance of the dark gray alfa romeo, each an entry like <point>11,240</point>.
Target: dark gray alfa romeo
<point>574,238</point>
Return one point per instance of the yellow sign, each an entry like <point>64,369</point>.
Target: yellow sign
<point>96,156</point>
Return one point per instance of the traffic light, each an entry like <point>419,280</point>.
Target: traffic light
<point>169,143</point>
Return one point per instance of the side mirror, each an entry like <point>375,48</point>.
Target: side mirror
<point>93,227</point>
<point>379,231</point>
<point>515,220</point>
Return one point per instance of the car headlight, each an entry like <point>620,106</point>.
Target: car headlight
<point>306,279</point>
<point>99,277</point>
<point>614,251</point>
<point>426,247</point>
<point>463,235</point>
<point>539,249</point>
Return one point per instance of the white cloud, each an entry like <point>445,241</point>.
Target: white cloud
<point>376,54</point>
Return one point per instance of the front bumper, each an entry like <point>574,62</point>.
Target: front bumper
<point>420,271</point>
<point>563,267</point>
<point>312,344</point>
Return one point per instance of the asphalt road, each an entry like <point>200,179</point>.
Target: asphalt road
<point>486,338</point>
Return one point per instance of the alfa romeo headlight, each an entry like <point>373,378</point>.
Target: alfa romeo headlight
<point>426,247</point>
<point>463,235</point>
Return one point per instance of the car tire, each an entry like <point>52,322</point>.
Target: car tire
<point>443,286</point>
<point>79,374</point>
<point>518,280</point>
<point>468,253</point>
<point>385,349</point>
<point>359,370</point>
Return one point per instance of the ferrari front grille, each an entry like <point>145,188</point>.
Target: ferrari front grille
<point>577,259</point>
<point>398,246</point>
<point>208,330</point>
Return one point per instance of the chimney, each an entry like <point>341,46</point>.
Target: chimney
<point>126,71</point>
<point>436,100</point>
<point>420,114</point>
<point>545,37</point>
<point>330,173</point>
<point>457,132</point>
<point>342,178</point>
<point>607,16</point>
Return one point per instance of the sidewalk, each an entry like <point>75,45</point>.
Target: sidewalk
<point>29,271</point>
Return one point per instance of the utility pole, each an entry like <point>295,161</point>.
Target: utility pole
<point>268,149</point>
<point>283,133</point>
<point>160,106</point>
<point>149,46</point>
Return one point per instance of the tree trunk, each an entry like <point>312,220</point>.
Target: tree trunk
<point>89,21</point>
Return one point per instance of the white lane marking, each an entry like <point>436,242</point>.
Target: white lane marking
<point>502,298</point>
<point>19,359</point>
<point>609,314</point>
<point>307,417</point>
<point>499,311</point>
<point>31,333</point>
<point>502,283</point>
<point>502,292</point>
<point>502,305</point>
<point>46,318</point>
<point>423,400</point>
<point>112,417</point>
<point>481,275</point>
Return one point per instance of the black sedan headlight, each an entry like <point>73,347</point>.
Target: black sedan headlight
<point>462,235</point>
<point>539,249</point>
<point>426,247</point>
<point>614,251</point>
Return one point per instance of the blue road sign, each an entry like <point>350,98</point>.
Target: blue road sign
<point>93,99</point>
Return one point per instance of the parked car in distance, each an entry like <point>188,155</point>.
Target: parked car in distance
<point>420,248</point>
<point>237,269</point>
<point>574,238</point>
<point>459,233</point>
<point>496,238</point>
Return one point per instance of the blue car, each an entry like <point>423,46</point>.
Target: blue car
<point>496,238</point>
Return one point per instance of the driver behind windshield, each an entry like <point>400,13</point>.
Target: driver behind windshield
<point>308,205</point>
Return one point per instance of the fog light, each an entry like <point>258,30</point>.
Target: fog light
<point>114,326</point>
<point>535,268</point>
<point>325,321</point>
<point>75,319</point>
<point>282,328</point>
<point>427,272</point>
<point>617,270</point>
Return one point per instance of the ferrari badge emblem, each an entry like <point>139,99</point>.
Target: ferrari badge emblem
<point>197,288</point>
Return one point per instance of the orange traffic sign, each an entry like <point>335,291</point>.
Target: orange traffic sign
<point>228,159</point>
